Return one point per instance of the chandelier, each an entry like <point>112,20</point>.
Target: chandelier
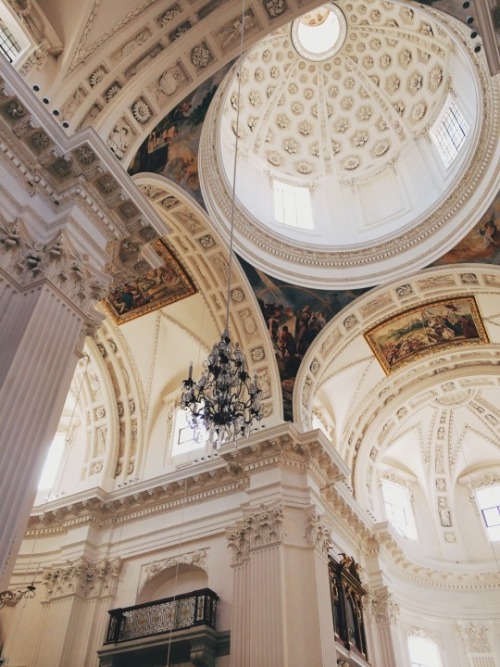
<point>225,401</point>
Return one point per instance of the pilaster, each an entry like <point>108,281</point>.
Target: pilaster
<point>477,643</point>
<point>384,621</point>
<point>280,620</point>
<point>78,596</point>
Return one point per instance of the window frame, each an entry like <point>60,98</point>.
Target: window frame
<point>409,529</point>
<point>292,203</point>
<point>444,132</point>
<point>482,509</point>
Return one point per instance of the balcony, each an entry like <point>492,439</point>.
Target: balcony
<point>181,626</point>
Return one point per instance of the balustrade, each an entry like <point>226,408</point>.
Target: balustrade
<point>168,615</point>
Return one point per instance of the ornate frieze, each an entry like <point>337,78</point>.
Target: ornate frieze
<point>82,578</point>
<point>68,175</point>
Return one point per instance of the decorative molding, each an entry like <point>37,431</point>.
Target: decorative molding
<point>150,570</point>
<point>383,607</point>
<point>82,578</point>
<point>259,529</point>
<point>317,532</point>
<point>28,263</point>
<point>70,174</point>
<point>476,637</point>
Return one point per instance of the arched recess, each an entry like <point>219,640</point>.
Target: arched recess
<point>340,368</point>
<point>427,425</point>
<point>173,576</point>
<point>104,432</point>
<point>204,255</point>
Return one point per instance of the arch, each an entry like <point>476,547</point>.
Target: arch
<point>341,344</point>
<point>204,255</point>
<point>172,576</point>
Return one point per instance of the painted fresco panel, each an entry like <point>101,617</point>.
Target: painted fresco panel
<point>426,329</point>
<point>481,244</point>
<point>294,316</point>
<point>171,149</point>
<point>155,289</point>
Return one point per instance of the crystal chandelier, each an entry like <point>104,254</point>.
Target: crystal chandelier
<point>225,401</point>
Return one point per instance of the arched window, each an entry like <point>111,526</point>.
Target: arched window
<point>52,462</point>
<point>423,652</point>
<point>450,132</point>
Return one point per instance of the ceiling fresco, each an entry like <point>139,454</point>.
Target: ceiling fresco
<point>294,315</point>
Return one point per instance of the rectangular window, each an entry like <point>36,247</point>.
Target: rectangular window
<point>292,205</point>
<point>398,508</point>
<point>8,45</point>
<point>423,652</point>
<point>488,499</point>
<point>450,133</point>
<point>187,438</point>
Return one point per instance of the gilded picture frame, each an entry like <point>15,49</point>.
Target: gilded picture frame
<point>428,328</point>
<point>153,290</point>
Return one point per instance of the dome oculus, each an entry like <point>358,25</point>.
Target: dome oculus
<point>319,34</point>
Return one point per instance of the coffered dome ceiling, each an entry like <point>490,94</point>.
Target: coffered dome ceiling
<point>351,120</point>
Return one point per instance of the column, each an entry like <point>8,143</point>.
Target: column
<point>47,298</point>
<point>319,537</point>
<point>237,538</point>
<point>79,595</point>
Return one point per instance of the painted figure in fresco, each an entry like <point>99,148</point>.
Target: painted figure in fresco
<point>301,336</point>
<point>286,343</point>
<point>157,149</point>
<point>490,232</point>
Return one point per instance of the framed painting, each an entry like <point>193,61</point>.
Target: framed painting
<point>154,289</point>
<point>426,329</point>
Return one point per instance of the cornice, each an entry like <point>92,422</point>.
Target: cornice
<point>430,575</point>
<point>65,172</point>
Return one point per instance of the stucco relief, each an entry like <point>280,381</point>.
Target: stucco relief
<point>83,578</point>
<point>476,637</point>
<point>153,568</point>
<point>317,533</point>
<point>383,607</point>
<point>257,529</point>
<point>28,261</point>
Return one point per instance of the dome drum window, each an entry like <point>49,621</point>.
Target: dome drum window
<point>450,132</point>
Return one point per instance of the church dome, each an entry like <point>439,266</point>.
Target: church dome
<point>344,116</point>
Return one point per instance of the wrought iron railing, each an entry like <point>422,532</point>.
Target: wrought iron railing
<point>170,614</point>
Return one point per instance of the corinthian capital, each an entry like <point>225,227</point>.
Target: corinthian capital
<point>82,578</point>
<point>261,528</point>
<point>28,262</point>
<point>317,533</point>
<point>383,607</point>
